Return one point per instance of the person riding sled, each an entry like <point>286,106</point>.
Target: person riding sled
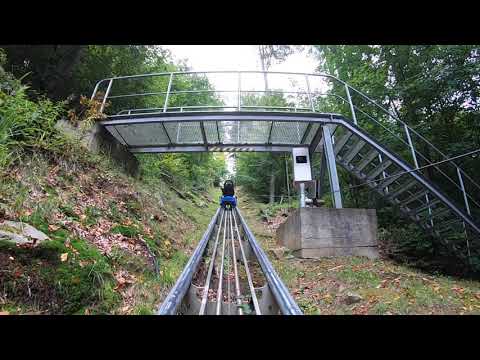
<point>228,198</point>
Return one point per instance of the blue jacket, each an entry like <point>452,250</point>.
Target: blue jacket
<point>228,199</point>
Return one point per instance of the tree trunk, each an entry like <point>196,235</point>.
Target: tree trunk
<point>68,57</point>
<point>272,187</point>
<point>264,68</point>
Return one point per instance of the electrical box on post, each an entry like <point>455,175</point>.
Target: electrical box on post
<point>302,171</point>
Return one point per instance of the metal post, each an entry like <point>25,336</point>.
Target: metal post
<point>384,175</point>
<point>95,90</point>
<point>332,167</point>
<point>321,173</point>
<point>460,178</point>
<point>168,93</point>
<point>302,195</point>
<point>288,178</point>
<point>415,161</point>
<point>468,243</point>
<point>312,105</point>
<point>239,91</point>
<point>106,95</point>
<point>410,143</point>
<point>352,109</point>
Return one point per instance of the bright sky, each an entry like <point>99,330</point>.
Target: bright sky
<point>235,57</point>
<point>245,57</point>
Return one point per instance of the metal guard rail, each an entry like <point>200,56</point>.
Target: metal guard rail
<point>285,301</point>
<point>402,132</point>
<point>176,294</point>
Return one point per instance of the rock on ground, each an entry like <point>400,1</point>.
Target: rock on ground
<point>20,233</point>
<point>352,298</point>
<point>278,253</point>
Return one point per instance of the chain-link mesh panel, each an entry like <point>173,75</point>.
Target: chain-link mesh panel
<point>288,132</point>
<point>143,134</point>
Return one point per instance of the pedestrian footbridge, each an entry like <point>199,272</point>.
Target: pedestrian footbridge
<point>336,122</point>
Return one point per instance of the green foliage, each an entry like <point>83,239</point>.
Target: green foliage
<point>128,231</point>
<point>28,125</point>
<point>49,67</point>
<point>434,89</point>
<point>197,171</point>
<point>254,171</point>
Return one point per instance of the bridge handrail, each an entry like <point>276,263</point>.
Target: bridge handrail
<point>405,129</point>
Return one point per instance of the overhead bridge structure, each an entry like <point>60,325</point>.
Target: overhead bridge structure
<point>340,125</point>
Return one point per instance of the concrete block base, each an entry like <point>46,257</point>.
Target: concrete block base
<point>322,232</point>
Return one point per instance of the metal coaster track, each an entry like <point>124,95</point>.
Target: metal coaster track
<point>367,140</point>
<point>229,274</point>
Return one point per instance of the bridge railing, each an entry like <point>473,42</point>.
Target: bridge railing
<point>191,92</point>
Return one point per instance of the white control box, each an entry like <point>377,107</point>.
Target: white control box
<point>302,171</point>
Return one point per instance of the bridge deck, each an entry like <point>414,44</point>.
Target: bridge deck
<point>217,131</point>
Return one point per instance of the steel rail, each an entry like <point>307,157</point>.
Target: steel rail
<point>201,91</point>
<point>235,269</point>
<point>285,301</point>
<point>464,183</point>
<point>177,293</point>
<point>448,161</point>
<point>220,277</point>
<point>396,118</point>
<point>403,165</point>
<point>132,111</point>
<point>306,75</point>
<point>236,116</point>
<point>139,76</point>
<point>206,288</point>
<point>229,273</point>
<point>247,271</point>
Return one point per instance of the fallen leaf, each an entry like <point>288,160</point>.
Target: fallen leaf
<point>335,268</point>
<point>27,212</point>
<point>64,257</point>
<point>52,227</point>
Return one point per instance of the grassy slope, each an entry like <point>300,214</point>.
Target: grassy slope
<point>108,224</point>
<point>320,286</point>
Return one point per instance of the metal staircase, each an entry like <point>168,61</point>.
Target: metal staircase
<point>369,141</point>
<point>398,183</point>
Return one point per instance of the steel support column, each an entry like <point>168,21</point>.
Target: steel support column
<point>332,167</point>
<point>302,195</point>
<point>321,175</point>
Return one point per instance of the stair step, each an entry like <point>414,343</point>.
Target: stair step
<point>437,214</point>
<point>446,225</point>
<point>353,151</point>
<point>368,158</point>
<point>426,206</point>
<point>413,198</point>
<point>341,143</point>
<point>402,189</point>
<point>375,172</point>
<point>389,181</point>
